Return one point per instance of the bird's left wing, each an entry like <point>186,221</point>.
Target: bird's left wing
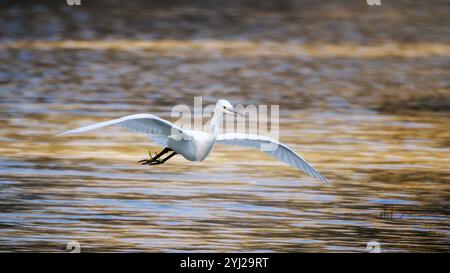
<point>274,148</point>
<point>157,128</point>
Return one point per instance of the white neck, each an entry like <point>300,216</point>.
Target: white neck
<point>216,122</point>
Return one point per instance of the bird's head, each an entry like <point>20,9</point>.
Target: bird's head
<point>226,107</point>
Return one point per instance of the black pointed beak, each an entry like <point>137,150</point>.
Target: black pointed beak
<point>237,112</point>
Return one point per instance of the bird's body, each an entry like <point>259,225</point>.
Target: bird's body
<point>194,146</point>
<point>197,145</point>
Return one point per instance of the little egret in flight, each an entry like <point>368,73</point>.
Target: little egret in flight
<point>196,145</point>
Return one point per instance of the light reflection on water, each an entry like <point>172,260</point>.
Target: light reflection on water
<point>370,125</point>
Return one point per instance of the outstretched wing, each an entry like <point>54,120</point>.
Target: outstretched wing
<point>157,128</point>
<point>279,151</point>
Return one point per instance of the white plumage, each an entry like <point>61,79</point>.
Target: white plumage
<point>196,145</point>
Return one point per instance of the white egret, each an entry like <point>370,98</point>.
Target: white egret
<point>196,145</point>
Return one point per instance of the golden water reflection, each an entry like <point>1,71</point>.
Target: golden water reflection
<point>373,119</point>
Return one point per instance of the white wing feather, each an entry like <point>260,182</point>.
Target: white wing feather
<point>157,128</point>
<point>282,152</point>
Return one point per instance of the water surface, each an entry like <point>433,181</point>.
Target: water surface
<point>368,108</point>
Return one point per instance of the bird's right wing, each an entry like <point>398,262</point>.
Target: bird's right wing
<point>273,148</point>
<point>157,128</point>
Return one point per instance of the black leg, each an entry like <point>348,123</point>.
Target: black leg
<point>154,159</point>
<point>166,150</point>
<point>170,156</point>
<point>158,162</point>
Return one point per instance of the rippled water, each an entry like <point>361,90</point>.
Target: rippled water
<point>370,110</point>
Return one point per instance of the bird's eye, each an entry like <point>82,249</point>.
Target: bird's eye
<point>224,107</point>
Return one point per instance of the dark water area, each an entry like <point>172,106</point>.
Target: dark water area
<point>363,94</point>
